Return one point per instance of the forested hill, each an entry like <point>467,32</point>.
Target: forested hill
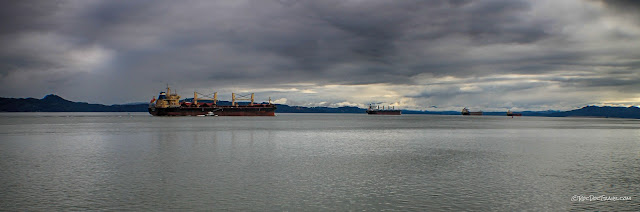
<point>606,112</point>
<point>54,103</point>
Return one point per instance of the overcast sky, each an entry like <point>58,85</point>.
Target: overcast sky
<point>489,55</point>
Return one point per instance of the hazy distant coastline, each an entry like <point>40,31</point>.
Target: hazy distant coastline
<point>54,103</point>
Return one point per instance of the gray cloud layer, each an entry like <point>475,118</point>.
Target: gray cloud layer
<point>485,53</point>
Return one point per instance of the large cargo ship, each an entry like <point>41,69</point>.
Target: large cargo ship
<point>509,113</point>
<point>377,111</point>
<point>169,104</point>
<point>466,112</point>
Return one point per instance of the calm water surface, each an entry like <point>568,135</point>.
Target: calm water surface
<point>315,162</point>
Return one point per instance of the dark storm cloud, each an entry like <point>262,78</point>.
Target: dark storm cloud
<point>314,37</point>
<point>371,35</point>
<point>621,80</point>
<point>623,5</point>
<point>16,16</point>
<point>131,47</point>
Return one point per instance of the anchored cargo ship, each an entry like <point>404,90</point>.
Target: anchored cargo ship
<point>509,113</point>
<point>466,112</point>
<point>377,111</point>
<point>169,104</point>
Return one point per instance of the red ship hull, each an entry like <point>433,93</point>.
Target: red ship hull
<point>384,112</point>
<point>256,110</point>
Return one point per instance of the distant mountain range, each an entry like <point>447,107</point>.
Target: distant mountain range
<point>606,112</point>
<point>54,103</point>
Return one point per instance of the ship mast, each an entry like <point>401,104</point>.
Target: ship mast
<point>206,97</point>
<point>195,98</point>
<point>241,97</point>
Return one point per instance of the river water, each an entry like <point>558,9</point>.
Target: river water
<point>317,162</point>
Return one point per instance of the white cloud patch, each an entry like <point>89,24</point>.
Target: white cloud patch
<point>280,101</point>
<point>347,104</point>
<point>89,58</point>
